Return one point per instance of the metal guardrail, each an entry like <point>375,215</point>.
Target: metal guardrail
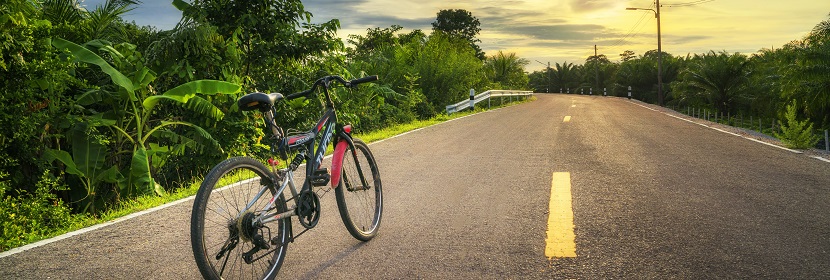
<point>475,99</point>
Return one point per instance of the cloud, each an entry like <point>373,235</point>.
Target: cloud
<point>371,21</point>
<point>565,32</point>
<point>682,39</point>
<point>581,6</point>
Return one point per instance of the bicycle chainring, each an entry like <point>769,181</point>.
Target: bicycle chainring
<point>308,209</point>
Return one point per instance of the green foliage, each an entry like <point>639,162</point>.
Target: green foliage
<point>29,216</point>
<point>77,24</point>
<point>507,70</point>
<point>565,76</point>
<point>796,134</point>
<point>641,75</point>
<point>598,72</point>
<point>721,79</point>
<point>460,24</point>
<point>137,133</point>
<point>807,79</point>
<point>627,55</point>
<point>376,39</point>
<point>33,83</point>
<point>429,72</point>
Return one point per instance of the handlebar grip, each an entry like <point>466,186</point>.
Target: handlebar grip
<point>363,80</point>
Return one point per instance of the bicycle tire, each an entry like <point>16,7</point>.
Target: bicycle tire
<point>216,218</point>
<point>360,208</point>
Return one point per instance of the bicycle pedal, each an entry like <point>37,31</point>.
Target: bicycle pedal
<point>320,177</point>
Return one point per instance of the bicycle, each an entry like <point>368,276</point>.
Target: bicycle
<point>241,221</point>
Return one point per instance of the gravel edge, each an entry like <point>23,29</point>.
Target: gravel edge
<point>746,133</point>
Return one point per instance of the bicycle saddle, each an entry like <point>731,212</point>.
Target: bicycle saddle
<point>258,101</point>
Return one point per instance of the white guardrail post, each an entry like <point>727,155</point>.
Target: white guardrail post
<point>476,98</point>
<point>472,100</point>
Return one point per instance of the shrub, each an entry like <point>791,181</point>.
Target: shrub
<point>31,216</point>
<point>796,134</point>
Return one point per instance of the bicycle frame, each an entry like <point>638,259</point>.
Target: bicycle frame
<point>326,126</point>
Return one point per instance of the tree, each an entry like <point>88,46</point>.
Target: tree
<point>262,35</point>
<point>448,69</point>
<point>719,78</point>
<point>507,69</point>
<point>375,39</point>
<point>565,76</point>
<point>125,106</point>
<point>33,93</point>
<point>460,24</point>
<point>75,23</point>
<point>767,67</point>
<point>627,55</point>
<point>596,66</point>
<point>807,80</point>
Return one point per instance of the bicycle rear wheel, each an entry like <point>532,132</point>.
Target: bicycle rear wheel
<point>221,230</point>
<point>360,205</point>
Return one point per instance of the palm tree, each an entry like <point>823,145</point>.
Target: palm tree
<point>564,76</point>
<point>81,25</point>
<point>807,81</point>
<point>721,79</point>
<point>507,69</point>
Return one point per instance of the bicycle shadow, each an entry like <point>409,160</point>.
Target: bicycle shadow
<point>314,273</point>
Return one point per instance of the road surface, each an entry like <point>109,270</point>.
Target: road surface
<point>650,196</point>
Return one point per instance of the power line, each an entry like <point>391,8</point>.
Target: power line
<point>688,4</point>
<point>634,30</point>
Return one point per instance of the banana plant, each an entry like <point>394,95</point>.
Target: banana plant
<point>132,119</point>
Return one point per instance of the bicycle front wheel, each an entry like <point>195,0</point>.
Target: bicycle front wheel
<point>227,242</point>
<point>360,201</point>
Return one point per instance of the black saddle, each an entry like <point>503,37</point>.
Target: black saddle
<point>258,101</point>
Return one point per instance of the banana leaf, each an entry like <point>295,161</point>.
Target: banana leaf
<point>140,176</point>
<point>51,155</point>
<point>84,55</point>
<point>186,91</point>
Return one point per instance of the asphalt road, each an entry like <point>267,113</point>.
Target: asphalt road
<point>652,197</point>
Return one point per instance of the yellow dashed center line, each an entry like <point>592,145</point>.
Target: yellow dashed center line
<point>561,240</point>
<point>567,119</point>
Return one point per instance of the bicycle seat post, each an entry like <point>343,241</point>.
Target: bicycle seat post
<point>271,123</point>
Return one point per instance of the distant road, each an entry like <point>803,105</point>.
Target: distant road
<point>650,196</point>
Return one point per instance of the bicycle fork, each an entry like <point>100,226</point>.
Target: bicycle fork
<point>345,141</point>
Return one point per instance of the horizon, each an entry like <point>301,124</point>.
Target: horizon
<point>567,30</point>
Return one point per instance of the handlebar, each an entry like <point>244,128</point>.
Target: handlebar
<point>325,81</point>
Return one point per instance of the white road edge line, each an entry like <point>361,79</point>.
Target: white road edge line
<point>821,159</point>
<point>721,130</point>
<point>177,202</point>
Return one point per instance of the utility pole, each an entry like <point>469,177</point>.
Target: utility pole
<point>659,52</point>
<point>659,59</point>
<point>549,77</point>
<point>548,89</point>
<point>596,67</point>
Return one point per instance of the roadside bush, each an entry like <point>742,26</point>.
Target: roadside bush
<point>30,216</point>
<point>796,134</point>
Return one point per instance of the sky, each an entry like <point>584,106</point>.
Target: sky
<point>559,31</point>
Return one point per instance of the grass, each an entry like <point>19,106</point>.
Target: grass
<point>142,203</point>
